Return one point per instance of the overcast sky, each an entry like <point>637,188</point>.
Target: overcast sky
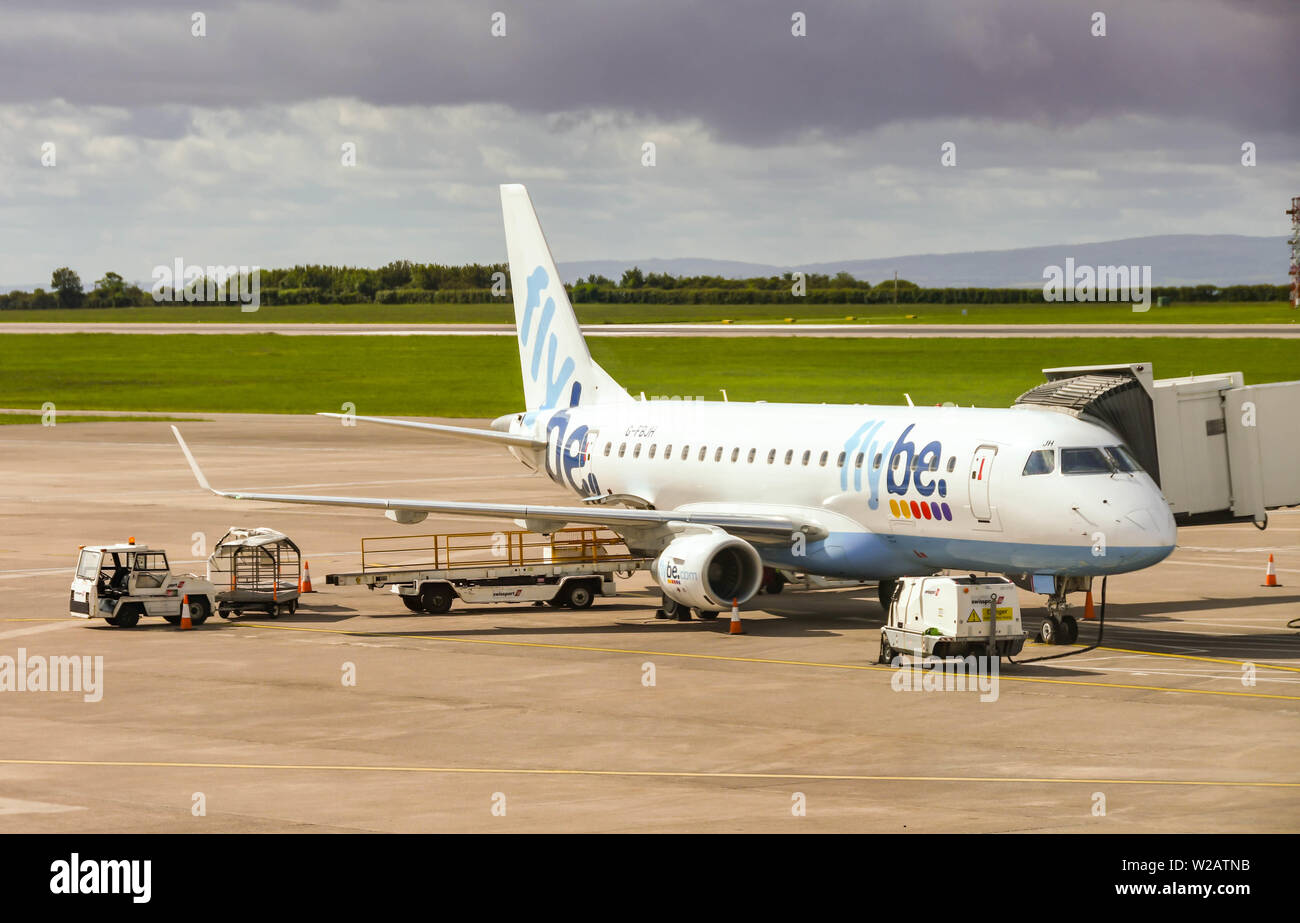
<point>226,148</point>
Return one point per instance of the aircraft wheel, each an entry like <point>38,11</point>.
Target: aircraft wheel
<point>1049,632</point>
<point>1069,629</point>
<point>706,614</point>
<point>671,608</point>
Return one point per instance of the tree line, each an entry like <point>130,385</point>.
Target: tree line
<point>404,282</point>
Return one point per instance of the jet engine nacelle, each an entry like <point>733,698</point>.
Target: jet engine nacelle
<point>708,570</point>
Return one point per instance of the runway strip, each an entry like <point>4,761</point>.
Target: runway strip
<point>653,773</point>
<point>975,331</point>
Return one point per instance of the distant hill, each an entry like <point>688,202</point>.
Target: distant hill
<point>1175,259</point>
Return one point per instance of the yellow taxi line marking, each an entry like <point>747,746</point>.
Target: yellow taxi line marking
<point>653,773</point>
<point>723,657</point>
<point>1235,663</point>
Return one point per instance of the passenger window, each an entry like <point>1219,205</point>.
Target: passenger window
<point>622,447</point>
<point>878,459</point>
<point>952,463</point>
<point>914,465</point>
<point>704,450</point>
<point>735,455</point>
<point>789,455</point>
<point>807,457</point>
<point>608,446</point>
<point>825,457</point>
<point>686,450</point>
<point>857,462</point>
<point>839,462</point>
<point>717,456</point>
<point>752,453</point>
<point>1040,461</point>
<point>652,450</point>
<point>1088,460</point>
<point>896,461</point>
<point>771,456</point>
<point>668,451</point>
<point>636,450</point>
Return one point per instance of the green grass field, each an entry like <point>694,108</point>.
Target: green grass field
<point>479,376</point>
<point>1263,312</point>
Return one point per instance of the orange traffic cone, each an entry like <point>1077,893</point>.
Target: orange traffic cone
<point>1088,611</point>
<point>304,585</point>
<point>186,624</point>
<point>1270,574</point>
<point>736,627</point>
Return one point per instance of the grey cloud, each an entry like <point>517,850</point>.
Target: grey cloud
<point>734,66</point>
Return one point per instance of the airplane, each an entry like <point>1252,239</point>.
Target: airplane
<point>722,492</point>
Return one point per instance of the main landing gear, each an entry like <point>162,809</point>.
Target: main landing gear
<point>1059,627</point>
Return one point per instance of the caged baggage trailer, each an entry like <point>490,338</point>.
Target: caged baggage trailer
<point>257,570</point>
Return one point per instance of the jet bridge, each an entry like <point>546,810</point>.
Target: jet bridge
<point>1220,450</point>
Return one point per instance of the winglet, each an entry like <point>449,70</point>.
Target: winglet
<point>194,466</point>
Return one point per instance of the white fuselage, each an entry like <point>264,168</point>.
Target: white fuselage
<point>899,490</point>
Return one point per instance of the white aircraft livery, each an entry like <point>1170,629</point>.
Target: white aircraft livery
<point>720,490</point>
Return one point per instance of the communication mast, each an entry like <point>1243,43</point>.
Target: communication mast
<point>1294,212</point>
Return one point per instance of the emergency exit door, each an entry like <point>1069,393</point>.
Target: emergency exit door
<point>981,470</point>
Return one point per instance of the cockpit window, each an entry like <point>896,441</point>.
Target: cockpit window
<point>1088,460</point>
<point>1040,461</point>
<point>1122,459</point>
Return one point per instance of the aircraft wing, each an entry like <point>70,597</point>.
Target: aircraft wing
<point>462,432</point>
<point>538,518</point>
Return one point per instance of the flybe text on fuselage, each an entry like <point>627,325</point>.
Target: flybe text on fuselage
<point>944,487</point>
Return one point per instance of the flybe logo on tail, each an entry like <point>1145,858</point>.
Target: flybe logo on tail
<point>544,341</point>
<point>571,455</point>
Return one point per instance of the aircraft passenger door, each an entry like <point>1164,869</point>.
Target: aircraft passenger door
<point>981,470</point>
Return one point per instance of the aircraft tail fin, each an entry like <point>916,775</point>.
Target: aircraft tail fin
<point>558,371</point>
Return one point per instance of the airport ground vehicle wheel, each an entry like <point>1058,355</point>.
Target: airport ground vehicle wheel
<point>199,610</point>
<point>1049,632</point>
<point>706,614</point>
<point>412,603</point>
<point>1069,629</point>
<point>885,592</point>
<point>286,609</point>
<point>886,652</point>
<point>129,617</point>
<point>435,598</point>
<point>579,596</point>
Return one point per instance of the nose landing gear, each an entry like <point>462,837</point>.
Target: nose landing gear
<point>1059,627</point>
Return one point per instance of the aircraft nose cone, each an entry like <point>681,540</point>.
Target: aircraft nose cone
<point>1157,527</point>
<point>1144,520</point>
